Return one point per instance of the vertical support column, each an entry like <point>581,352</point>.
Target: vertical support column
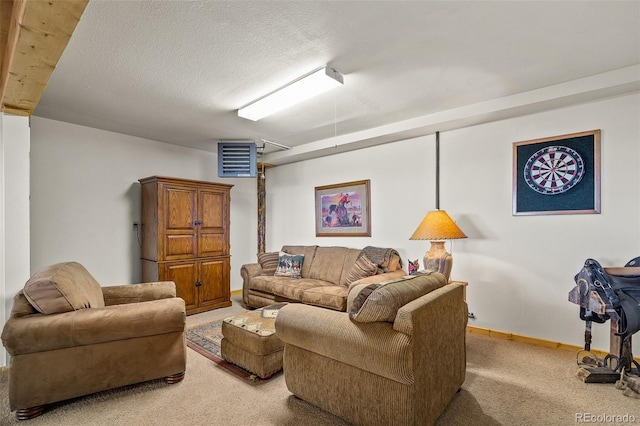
<point>437,170</point>
<point>262,206</point>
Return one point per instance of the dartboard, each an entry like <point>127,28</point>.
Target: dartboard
<point>553,170</point>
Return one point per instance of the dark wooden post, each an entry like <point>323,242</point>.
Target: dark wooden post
<point>262,205</point>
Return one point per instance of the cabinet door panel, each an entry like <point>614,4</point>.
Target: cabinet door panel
<point>213,232</point>
<point>212,212</point>
<point>212,245</point>
<point>214,275</point>
<point>185,275</point>
<point>180,229</point>
<point>179,247</point>
<point>181,208</point>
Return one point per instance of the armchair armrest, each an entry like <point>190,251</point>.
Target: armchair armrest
<point>438,313</point>
<point>437,321</point>
<point>135,293</point>
<point>374,347</point>
<point>38,333</point>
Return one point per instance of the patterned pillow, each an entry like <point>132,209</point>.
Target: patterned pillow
<point>289,265</point>
<point>269,262</point>
<point>381,301</point>
<point>363,268</point>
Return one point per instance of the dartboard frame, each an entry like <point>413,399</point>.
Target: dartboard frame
<point>580,196</point>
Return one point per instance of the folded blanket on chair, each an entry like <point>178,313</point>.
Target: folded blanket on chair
<point>381,256</point>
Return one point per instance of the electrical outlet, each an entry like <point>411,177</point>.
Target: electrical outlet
<point>472,315</point>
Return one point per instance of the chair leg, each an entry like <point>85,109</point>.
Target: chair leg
<point>174,378</point>
<point>29,413</point>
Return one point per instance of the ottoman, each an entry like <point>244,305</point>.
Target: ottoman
<point>250,342</point>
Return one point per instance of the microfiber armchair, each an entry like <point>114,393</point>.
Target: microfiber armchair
<point>68,337</point>
<point>396,357</point>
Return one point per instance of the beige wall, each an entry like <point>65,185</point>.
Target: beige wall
<point>519,268</point>
<point>85,197</point>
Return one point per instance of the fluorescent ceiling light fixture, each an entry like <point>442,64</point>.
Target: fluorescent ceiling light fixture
<point>305,87</point>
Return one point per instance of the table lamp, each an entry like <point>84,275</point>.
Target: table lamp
<point>437,226</point>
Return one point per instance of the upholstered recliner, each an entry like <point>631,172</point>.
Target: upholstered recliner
<point>68,337</point>
<point>396,357</point>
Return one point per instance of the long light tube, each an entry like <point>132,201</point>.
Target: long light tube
<point>307,86</point>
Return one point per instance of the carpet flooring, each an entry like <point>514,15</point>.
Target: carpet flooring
<point>507,383</point>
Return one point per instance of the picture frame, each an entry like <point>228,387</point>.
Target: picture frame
<point>557,175</point>
<point>343,210</point>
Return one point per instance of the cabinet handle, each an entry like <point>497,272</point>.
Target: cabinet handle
<point>198,283</point>
<point>197,222</point>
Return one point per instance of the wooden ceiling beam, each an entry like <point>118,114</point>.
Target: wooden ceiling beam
<point>34,35</point>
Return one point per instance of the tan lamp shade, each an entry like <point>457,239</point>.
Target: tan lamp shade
<point>437,226</point>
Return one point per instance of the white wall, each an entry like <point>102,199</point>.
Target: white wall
<point>85,197</point>
<point>519,268</point>
<point>14,211</point>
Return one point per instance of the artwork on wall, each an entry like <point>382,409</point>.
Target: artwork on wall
<point>343,210</point>
<point>557,175</point>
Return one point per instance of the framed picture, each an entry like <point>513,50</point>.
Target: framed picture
<point>557,175</point>
<point>343,210</point>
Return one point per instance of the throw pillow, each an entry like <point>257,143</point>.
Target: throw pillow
<point>269,262</point>
<point>381,301</point>
<point>289,265</point>
<point>63,287</point>
<point>363,268</point>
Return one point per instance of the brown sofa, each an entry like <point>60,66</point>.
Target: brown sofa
<point>68,337</point>
<point>326,275</point>
<point>396,357</point>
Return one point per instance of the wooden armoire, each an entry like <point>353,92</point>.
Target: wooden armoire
<point>185,239</point>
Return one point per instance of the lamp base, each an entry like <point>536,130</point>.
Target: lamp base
<point>437,259</point>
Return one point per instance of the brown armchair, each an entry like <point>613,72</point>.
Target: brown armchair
<point>68,337</point>
<point>396,357</point>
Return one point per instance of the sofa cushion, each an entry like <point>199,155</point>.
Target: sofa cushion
<point>285,287</point>
<point>363,268</point>
<point>289,265</point>
<point>295,289</point>
<point>381,301</point>
<point>268,262</point>
<point>328,264</point>
<point>63,287</point>
<point>330,296</point>
<point>309,253</point>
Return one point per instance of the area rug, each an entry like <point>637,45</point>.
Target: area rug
<point>205,339</point>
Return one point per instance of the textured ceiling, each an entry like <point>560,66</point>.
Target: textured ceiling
<point>177,71</point>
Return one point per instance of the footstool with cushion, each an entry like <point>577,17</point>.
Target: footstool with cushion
<point>250,342</point>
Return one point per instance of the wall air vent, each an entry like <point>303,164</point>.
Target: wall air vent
<point>236,159</point>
